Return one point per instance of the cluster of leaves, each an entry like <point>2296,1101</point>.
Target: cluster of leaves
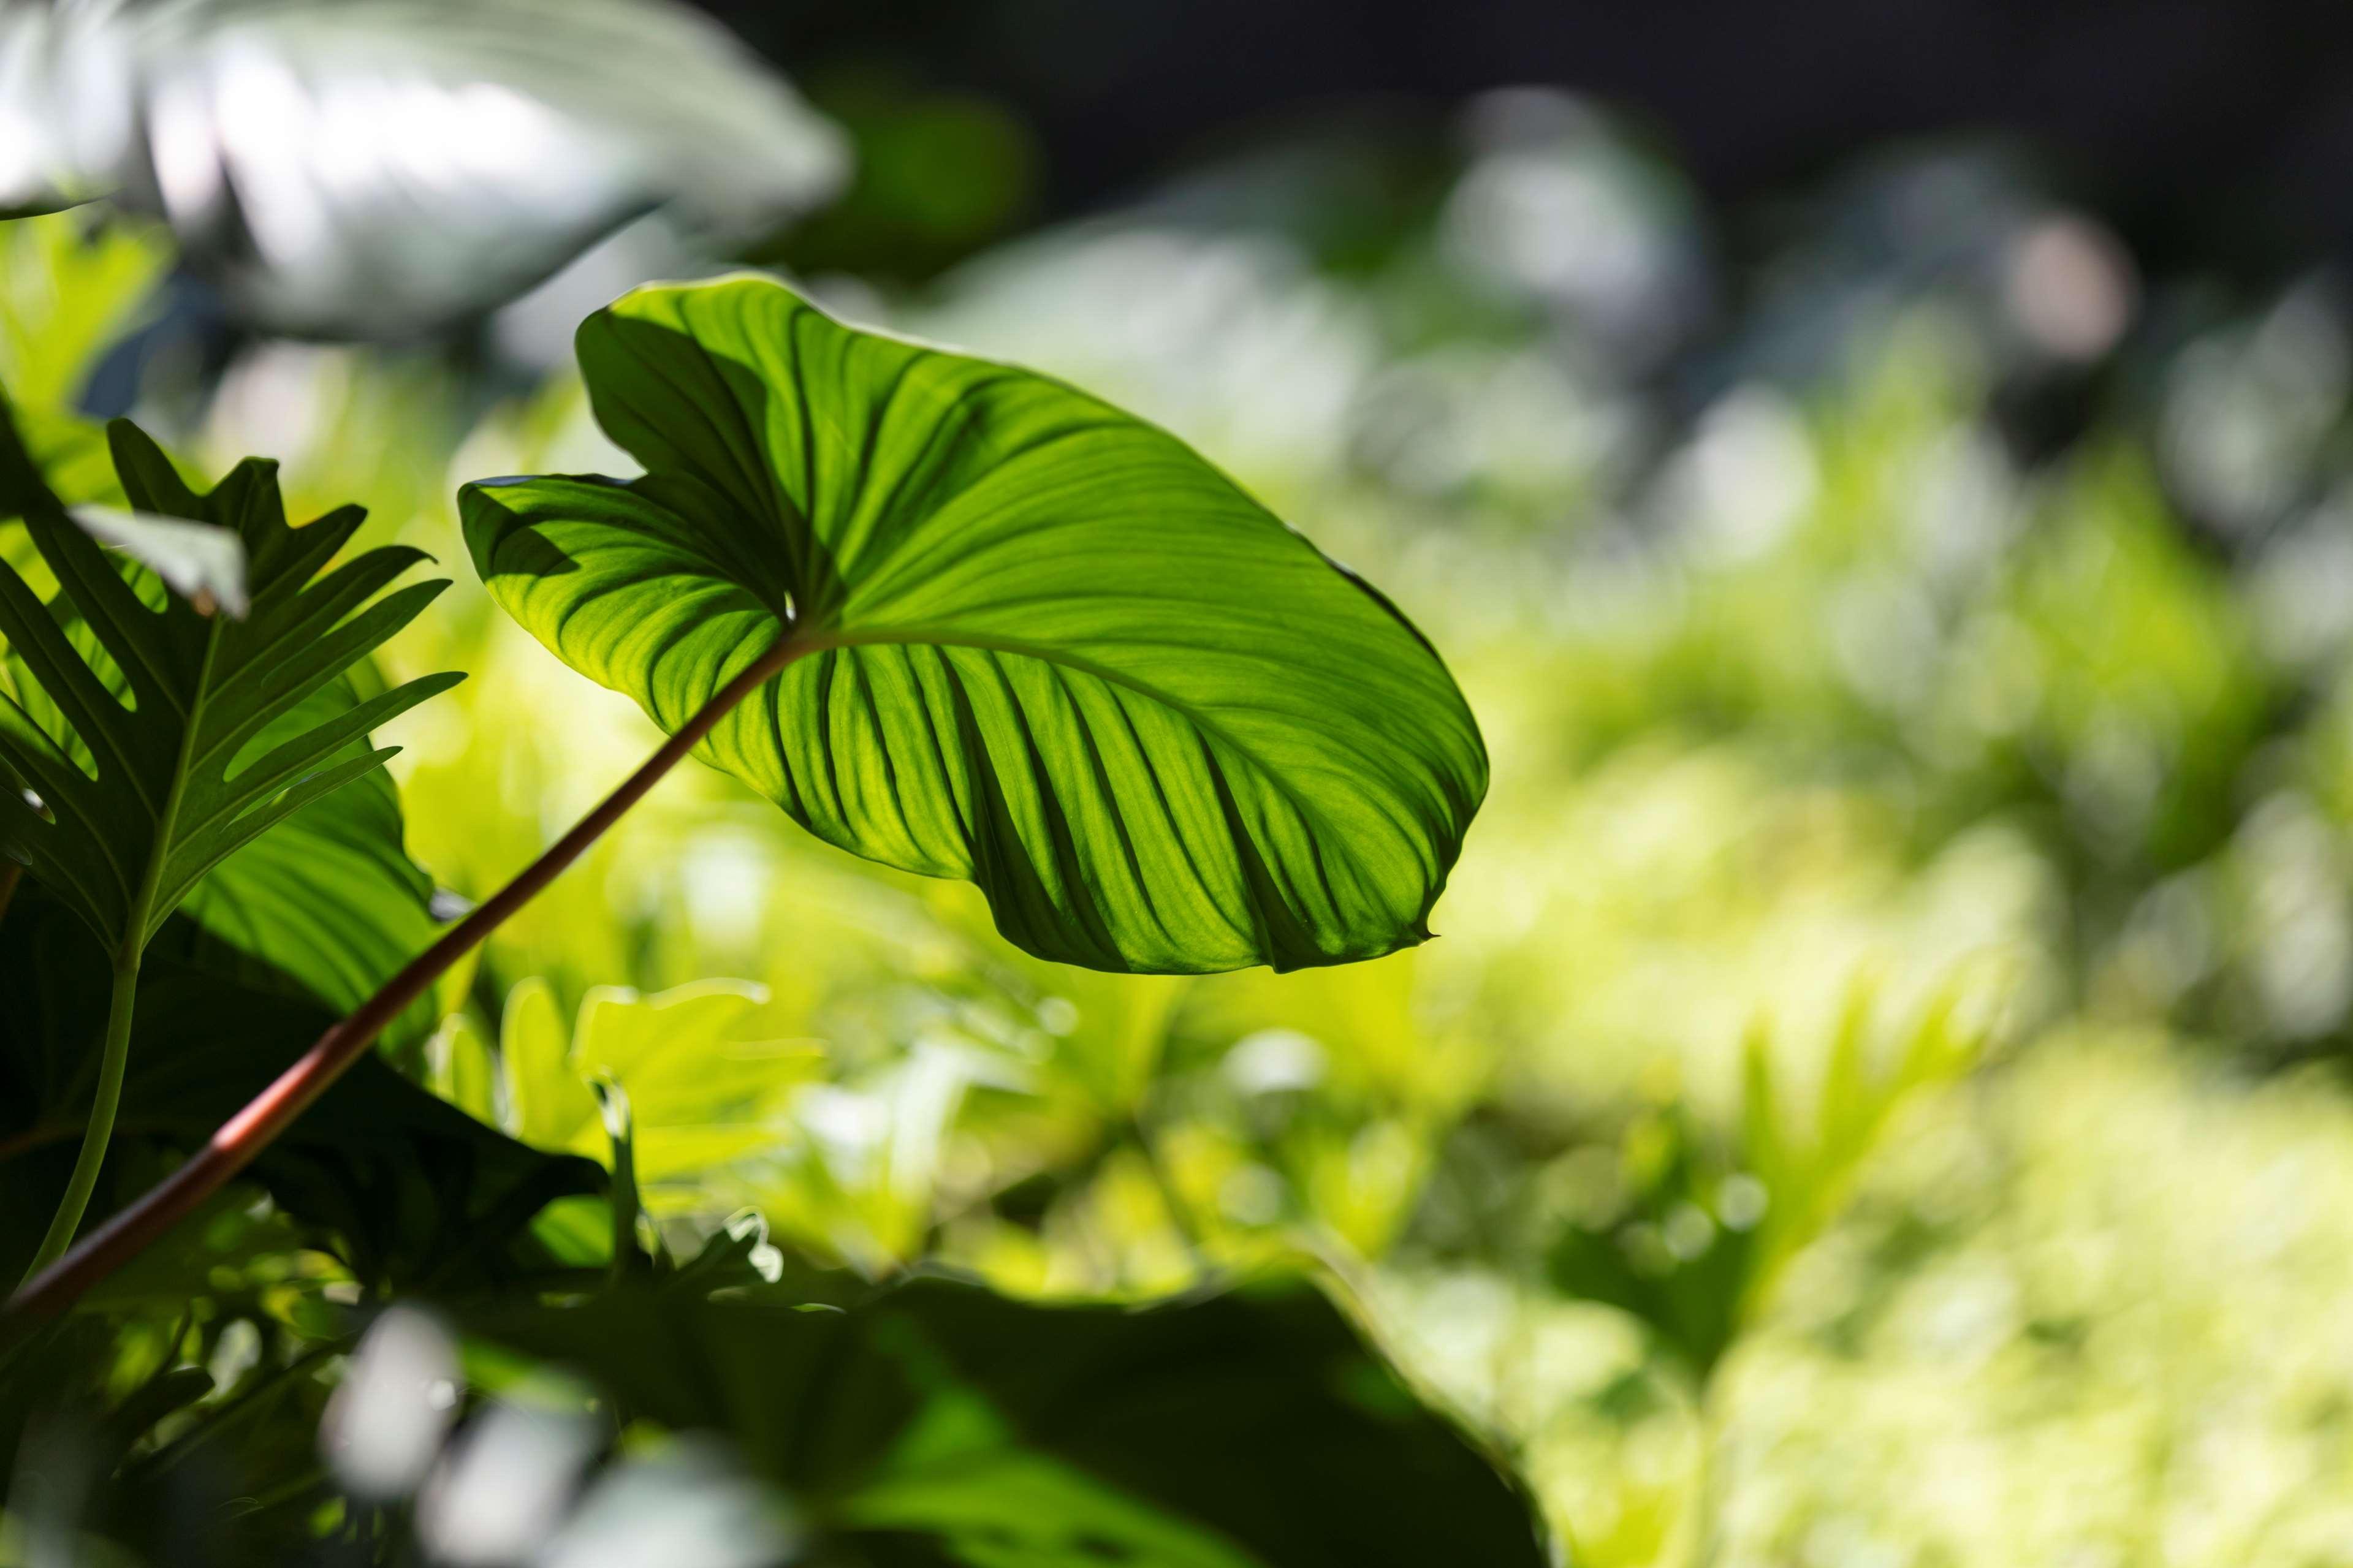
<point>1694,1236</point>
<point>981,625</point>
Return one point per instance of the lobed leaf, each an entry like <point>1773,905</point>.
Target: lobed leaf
<point>157,740</point>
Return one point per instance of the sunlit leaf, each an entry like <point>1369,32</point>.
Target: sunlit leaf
<point>1050,649</point>
<point>700,1094</point>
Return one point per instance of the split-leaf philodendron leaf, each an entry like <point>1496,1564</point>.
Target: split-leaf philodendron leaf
<point>157,740</point>
<point>1048,647</point>
<point>328,898</point>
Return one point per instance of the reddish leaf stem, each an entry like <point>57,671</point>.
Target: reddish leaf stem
<point>251,1131</point>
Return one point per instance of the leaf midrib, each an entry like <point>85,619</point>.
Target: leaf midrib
<point>141,917</point>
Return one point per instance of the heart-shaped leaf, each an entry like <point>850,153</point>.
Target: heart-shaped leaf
<point>1043,645</point>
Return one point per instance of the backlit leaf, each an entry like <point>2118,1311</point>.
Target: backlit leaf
<point>700,1094</point>
<point>1047,647</point>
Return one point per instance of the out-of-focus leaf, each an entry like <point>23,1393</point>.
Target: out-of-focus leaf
<point>862,1180</point>
<point>74,459</point>
<point>1807,1160</point>
<point>378,166</point>
<point>1050,649</point>
<point>1705,1230</point>
<point>202,564</point>
<point>700,1094</point>
<point>459,1069</point>
<point>71,456</point>
<point>69,289</point>
<point>66,104</point>
<point>937,1422</point>
<point>1679,1257</point>
<point>408,1190</point>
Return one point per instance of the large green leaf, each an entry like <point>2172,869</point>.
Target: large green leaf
<point>407,1189</point>
<point>159,739</point>
<point>1048,648</point>
<point>940,1423</point>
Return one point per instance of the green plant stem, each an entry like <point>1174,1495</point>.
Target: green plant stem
<point>251,1130</point>
<point>614,1102</point>
<point>114,1052</point>
<point>9,874</point>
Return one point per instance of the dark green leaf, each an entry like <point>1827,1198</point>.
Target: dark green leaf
<point>1049,648</point>
<point>939,1423</point>
<point>160,739</point>
<point>409,1189</point>
<point>329,896</point>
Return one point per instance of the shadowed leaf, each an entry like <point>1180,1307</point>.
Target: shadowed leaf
<point>938,1422</point>
<point>157,741</point>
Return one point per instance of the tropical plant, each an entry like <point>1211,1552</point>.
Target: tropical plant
<point>949,614</point>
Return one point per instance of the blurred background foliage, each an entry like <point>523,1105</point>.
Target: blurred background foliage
<point>1878,1094</point>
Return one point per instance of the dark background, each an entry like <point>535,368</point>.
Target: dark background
<point>2213,133</point>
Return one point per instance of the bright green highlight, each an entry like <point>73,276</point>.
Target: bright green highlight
<point>1055,652</point>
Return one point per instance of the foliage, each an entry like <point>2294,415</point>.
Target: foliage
<point>700,1099</point>
<point>1864,1042</point>
<point>397,1185</point>
<point>389,114</point>
<point>1047,647</point>
<point>163,738</point>
<point>1703,1236</point>
<point>181,716</point>
<point>936,1420</point>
